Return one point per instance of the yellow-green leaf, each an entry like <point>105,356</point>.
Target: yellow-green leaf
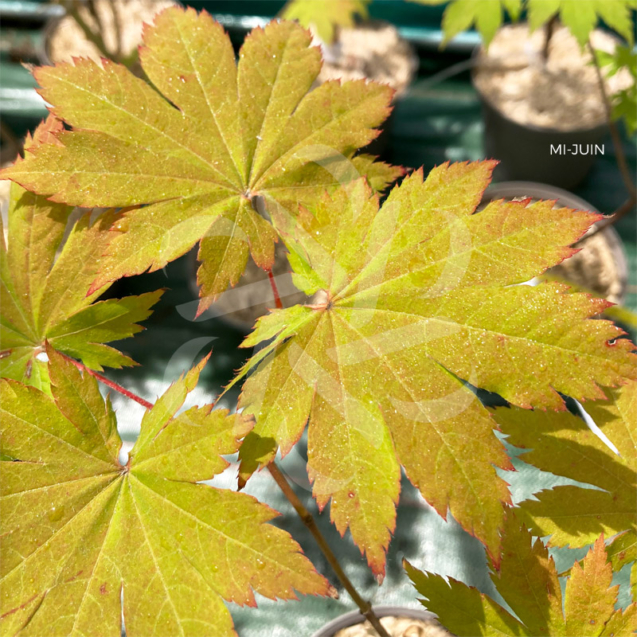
<point>44,283</point>
<point>582,16</point>
<point>485,15</point>
<point>325,16</point>
<point>563,444</point>
<point>528,582</point>
<point>201,143</point>
<point>411,300</point>
<point>87,540</point>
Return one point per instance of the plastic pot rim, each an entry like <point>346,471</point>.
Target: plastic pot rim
<point>355,617</point>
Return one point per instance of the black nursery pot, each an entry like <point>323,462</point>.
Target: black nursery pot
<point>530,153</point>
<point>354,618</point>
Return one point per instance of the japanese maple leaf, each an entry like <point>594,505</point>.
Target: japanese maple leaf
<point>563,444</point>
<point>582,17</point>
<point>623,551</point>
<point>326,15</point>
<point>43,293</point>
<point>528,582</point>
<point>485,15</point>
<point>413,300</point>
<point>85,539</point>
<point>202,145</point>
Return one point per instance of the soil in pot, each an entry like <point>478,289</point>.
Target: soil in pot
<point>372,50</point>
<point>397,627</point>
<point>66,40</point>
<point>560,93</point>
<point>544,119</point>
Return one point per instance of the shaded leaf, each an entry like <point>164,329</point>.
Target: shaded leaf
<point>485,15</point>
<point>411,300</point>
<point>44,284</point>
<point>529,583</point>
<point>582,17</point>
<point>563,444</point>
<point>624,102</point>
<point>238,133</point>
<point>81,532</point>
<point>326,15</point>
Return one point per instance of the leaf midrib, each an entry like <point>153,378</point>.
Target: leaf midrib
<point>230,539</point>
<point>195,68</point>
<point>474,328</point>
<point>159,132</point>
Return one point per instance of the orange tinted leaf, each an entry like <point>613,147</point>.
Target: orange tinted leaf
<point>412,299</point>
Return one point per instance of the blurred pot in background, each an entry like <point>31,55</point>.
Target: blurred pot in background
<point>600,266</point>
<point>544,115</point>
<point>100,28</point>
<point>398,621</point>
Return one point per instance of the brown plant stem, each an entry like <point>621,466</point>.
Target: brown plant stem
<point>610,220</point>
<point>275,291</point>
<point>307,519</point>
<point>117,26</point>
<point>549,29</point>
<point>109,383</point>
<point>614,132</point>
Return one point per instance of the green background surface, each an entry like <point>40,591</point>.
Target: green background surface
<point>433,122</point>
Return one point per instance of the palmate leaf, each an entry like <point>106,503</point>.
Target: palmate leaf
<point>238,133</point>
<point>80,532</point>
<point>582,16</point>
<point>413,299</point>
<point>624,102</point>
<point>528,582</point>
<point>563,444</point>
<point>485,15</point>
<point>325,15</point>
<point>43,297</point>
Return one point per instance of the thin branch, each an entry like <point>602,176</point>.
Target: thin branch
<point>13,146</point>
<point>549,29</point>
<point>109,383</point>
<point>91,6</point>
<point>96,39</point>
<point>307,519</point>
<point>622,211</point>
<point>614,132</point>
<point>117,25</point>
<point>275,291</point>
